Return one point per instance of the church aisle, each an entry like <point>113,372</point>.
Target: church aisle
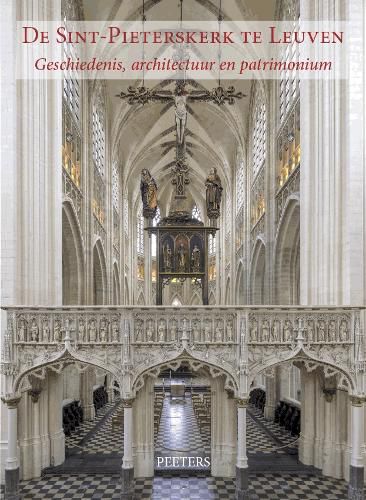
<point>282,476</point>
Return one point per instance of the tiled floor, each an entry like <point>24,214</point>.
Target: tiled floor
<point>94,457</point>
<point>179,435</point>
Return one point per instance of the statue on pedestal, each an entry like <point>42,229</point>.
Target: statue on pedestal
<point>167,254</point>
<point>196,259</point>
<point>181,258</point>
<point>149,190</point>
<point>213,194</point>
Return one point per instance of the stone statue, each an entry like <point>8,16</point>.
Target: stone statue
<point>103,330</point>
<point>229,332</point>
<point>275,332</point>
<point>180,116</point>
<point>21,330</point>
<point>82,331</point>
<point>46,331</point>
<point>310,331</point>
<point>253,332</point>
<point>149,192</point>
<point>265,331</point>
<point>196,259</point>
<point>287,331</point>
<point>92,331</point>
<point>218,333</point>
<point>150,331</point>
<point>213,194</point>
<point>207,332</point>
<point>343,331</point>
<point>332,333</point>
<point>115,331</point>
<point>181,258</point>
<point>167,254</point>
<point>34,331</point>
<point>56,331</point>
<point>196,332</point>
<point>321,331</point>
<point>161,331</point>
<point>173,331</point>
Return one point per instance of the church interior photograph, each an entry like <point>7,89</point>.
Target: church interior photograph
<point>183,270</point>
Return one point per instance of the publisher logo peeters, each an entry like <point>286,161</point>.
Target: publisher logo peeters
<point>183,462</point>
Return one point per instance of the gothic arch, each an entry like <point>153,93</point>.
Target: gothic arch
<point>196,300</point>
<point>195,364</point>
<point>287,254</point>
<point>99,275</point>
<point>310,362</point>
<point>141,300</point>
<point>227,291</point>
<point>258,272</point>
<point>60,361</point>
<point>127,292</point>
<point>72,257</point>
<point>212,299</point>
<point>116,299</point>
<point>239,287</point>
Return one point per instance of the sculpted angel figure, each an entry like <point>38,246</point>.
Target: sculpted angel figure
<point>34,331</point>
<point>21,330</point>
<point>46,331</point>
<point>149,191</point>
<point>181,257</point>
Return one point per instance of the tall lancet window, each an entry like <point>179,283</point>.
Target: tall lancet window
<point>289,87</point>
<point>98,149</point>
<point>116,206</point>
<point>140,245</point>
<point>259,127</point>
<point>98,139</point>
<point>240,185</point>
<point>71,121</point>
<point>259,124</point>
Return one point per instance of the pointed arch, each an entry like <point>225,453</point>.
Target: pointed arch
<point>116,285</point>
<point>99,275</point>
<point>72,257</point>
<point>257,273</point>
<point>287,254</point>
<point>240,292</point>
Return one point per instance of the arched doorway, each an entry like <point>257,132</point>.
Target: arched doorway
<point>72,258</point>
<point>203,411</point>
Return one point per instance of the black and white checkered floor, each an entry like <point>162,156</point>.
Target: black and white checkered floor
<point>98,438</point>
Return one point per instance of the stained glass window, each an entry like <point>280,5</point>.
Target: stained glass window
<point>259,131</point>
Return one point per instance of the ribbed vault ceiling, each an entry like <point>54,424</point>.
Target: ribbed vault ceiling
<point>144,136</point>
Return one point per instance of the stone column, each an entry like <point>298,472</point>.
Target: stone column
<point>269,409</point>
<point>56,432</point>
<point>86,392</point>
<point>356,477</point>
<point>36,441</point>
<point>242,486</point>
<point>127,472</point>
<point>12,464</point>
<point>308,395</point>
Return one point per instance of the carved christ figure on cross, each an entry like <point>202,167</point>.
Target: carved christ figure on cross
<point>180,116</point>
